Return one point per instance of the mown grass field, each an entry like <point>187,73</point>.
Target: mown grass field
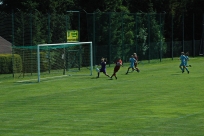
<point>158,101</point>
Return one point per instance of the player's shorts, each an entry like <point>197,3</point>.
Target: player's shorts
<point>103,70</point>
<point>132,65</point>
<point>182,64</point>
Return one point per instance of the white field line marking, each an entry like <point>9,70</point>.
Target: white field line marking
<point>40,78</point>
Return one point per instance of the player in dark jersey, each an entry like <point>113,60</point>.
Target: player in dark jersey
<point>118,63</point>
<point>103,67</point>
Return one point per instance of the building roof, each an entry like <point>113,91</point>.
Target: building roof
<point>5,46</point>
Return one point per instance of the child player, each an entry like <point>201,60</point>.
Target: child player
<point>136,62</point>
<point>118,63</point>
<point>187,59</point>
<point>132,64</point>
<point>103,67</point>
<point>182,65</point>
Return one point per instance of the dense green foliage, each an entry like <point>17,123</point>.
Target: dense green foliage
<point>61,6</point>
<point>176,8</point>
<point>10,63</point>
<point>116,28</point>
<point>158,101</point>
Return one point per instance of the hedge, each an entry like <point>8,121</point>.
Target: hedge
<point>6,66</point>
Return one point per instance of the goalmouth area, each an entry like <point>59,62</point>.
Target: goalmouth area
<point>46,61</point>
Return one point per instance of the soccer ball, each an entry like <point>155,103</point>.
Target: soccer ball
<point>97,69</point>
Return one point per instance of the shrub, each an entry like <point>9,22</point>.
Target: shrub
<point>10,63</point>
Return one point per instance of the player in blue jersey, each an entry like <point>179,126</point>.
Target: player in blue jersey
<point>182,65</point>
<point>103,67</point>
<point>187,59</point>
<point>132,64</point>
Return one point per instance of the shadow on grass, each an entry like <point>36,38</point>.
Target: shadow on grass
<point>102,77</point>
<point>175,74</point>
<point>94,78</point>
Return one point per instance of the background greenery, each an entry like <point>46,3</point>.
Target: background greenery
<point>154,29</point>
<point>171,7</point>
<point>158,101</point>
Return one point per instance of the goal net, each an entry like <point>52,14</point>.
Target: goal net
<point>46,61</point>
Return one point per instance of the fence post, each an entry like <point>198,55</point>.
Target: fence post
<point>203,36</point>
<point>12,23</point>
<point>172,37</point>
<point>79,25</point>
<point>183,32</point>
<point>94,42</point>
<point>160,37</point>
<point>136,32</point>
<point>148,36</point>
<point>31,40</point>
<point>122,37</point>
<point>49,29</point>
<point>109,37</point>
<point>193,37</point>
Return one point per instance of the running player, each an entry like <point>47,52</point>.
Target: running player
<point>187,59</point>
<point>136,62</point>
<point>132,64</point>
<point>103,67</point>
<point>118,63</point>
<point>182,65</point>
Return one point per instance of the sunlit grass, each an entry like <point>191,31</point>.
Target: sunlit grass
<point>158,101</point>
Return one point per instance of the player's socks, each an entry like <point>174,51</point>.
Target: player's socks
<point>187,70</point>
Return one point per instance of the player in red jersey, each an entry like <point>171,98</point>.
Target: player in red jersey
<point>118,63</point>
<point>136,62</point>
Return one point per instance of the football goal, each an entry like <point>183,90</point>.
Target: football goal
<point>46,61</point>
<point>64,59</point>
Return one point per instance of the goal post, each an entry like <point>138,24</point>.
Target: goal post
<point>74,58</point>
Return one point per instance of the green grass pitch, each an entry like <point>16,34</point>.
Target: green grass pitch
<point>158,101</point>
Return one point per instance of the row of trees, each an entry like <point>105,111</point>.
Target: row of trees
<point>61,6</point>
<point>45,21</point>
<point>173,8</point>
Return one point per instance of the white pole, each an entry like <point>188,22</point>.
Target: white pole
<point>91,57</point>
